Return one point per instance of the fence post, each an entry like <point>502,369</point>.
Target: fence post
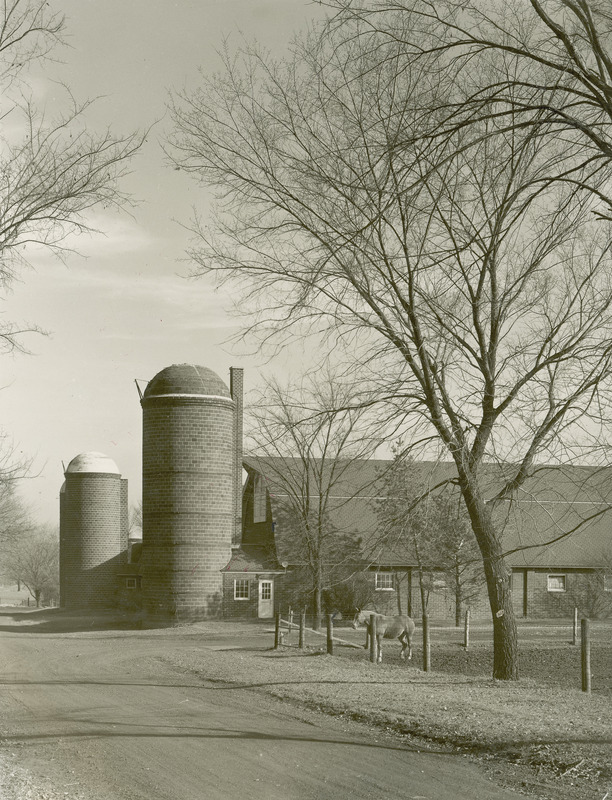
<point>585,637</point>
<point>575,630</point>
<point>373,642</point>
<point>302,629</point>
<point>466,630</point>
<point>290,619</point>
<point>426,644</point>
<point>277,623</point>
<point>330,635</point>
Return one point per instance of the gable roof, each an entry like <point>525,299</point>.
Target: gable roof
<point>560,518</point>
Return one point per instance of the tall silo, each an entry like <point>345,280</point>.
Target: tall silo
<point>188,497</point>
<point>93,531</point>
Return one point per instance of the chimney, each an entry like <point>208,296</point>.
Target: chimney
<point>237,391</point>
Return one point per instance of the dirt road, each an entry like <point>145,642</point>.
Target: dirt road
<point>99,716</point>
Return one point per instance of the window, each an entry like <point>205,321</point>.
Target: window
<point>385,581</point>
<point>556,583</point>
<point>130,583</point>
<point>241,589</point>
<point>607,582</point>
<point>266,590</point>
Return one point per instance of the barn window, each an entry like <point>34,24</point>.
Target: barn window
<point>241,589</point>
<point>130,583</point>
<point>385,581</point>
<point>556,583</point>
<point>607,582</point>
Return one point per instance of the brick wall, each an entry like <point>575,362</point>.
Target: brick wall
<point>248,609</point>
<point>92,506</point>
<point>237,391</point>
<point>531,596</point>
<point>188,504</point>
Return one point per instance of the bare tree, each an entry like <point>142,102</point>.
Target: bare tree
<point>540,64</point>
<point>473,292</point>
<point>135,519</point>
<point>53,171</point>
<point>434,526</point>
<point>310,437</point>
<point>32,559</point>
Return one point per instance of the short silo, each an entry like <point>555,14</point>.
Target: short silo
<point>188,497</point>
<point>93,531</point>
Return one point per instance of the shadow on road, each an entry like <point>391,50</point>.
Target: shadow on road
<point>57,620</point>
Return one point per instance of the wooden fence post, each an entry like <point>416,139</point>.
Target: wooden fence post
<point>373,642</point>
<point>466,630</point>
<point>290,619</point>
<point>302,629</point>
<point>426,644</point>
<point>575,629</point>
<point>277,623</point>
<point>585,638</point>
<point>330,635</point>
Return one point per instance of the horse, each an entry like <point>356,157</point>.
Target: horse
<point>400,627</point>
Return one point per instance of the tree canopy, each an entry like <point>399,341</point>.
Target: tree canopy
<point>447,254</point>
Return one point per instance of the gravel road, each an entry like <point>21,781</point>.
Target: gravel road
<point>103,716</point>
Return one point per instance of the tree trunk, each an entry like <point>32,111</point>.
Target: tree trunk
<point>318,591</point>
<point>398,586</point>
<point>458,597</point>
<point>423,591</point>
<point>505,642</point>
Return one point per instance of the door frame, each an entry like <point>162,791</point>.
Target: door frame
<point>261,601</point>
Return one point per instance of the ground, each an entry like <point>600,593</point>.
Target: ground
<point>541,736</point>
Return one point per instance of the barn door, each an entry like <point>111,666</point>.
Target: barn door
<point>265,608</point>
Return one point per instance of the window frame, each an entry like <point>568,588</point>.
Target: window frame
<point>387,575</point>
<point>244,583</point>
<point>556,575</point>
<point>131,583</point>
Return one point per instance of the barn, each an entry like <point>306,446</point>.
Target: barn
<point>217,546</point>
<point>557,538</point>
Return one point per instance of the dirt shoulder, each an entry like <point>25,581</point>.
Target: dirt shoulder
<point>546,742</point>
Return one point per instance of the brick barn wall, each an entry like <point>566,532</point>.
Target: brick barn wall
<point>248,609</point>
<point>188,504</point>
<point>541,603</point>
<point>239,609</point>
<point>91,546</point>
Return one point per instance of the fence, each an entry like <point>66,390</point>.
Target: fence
<point>469,639</point>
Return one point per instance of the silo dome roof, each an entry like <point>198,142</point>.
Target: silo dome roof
<point>92,462</point>
<point>186,379</point>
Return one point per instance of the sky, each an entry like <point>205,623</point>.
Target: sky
<point>123,309</point>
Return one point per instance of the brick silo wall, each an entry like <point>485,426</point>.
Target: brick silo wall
<point>188,504</point>
<point>90,539</point>
<point>237,392</point>
<point>124,513</point>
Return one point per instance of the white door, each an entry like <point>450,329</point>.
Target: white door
<point>265,608</point>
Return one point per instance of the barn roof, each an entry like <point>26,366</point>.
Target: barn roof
<point>559,519</point>
<point>250,558</point>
